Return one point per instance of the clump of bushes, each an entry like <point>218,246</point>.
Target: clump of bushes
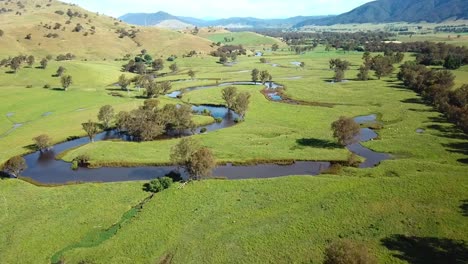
<point>335,169</point>
<point>347,251</point>
<point>80,161</point>
<point>158,185</point>
<point>203,130</point>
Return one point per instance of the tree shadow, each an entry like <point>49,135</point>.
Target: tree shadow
<point>58,89</point>
<point>464,207</point>
<point>31,147</point>
<point>10,72</point>
<point>459,147</point>
<point>427,250</point>
<point>413,101</point>
<point>317,143</point>
<point>4,175</point>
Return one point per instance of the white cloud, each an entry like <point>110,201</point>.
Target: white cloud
<point>224,9</point>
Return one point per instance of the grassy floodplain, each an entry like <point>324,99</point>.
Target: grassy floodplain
<point>420,194</point>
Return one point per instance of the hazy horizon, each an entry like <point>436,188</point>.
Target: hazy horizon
<point>215,9</point>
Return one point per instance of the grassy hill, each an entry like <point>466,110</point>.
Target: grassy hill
<point>99,36</point>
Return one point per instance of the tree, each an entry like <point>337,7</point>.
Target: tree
<point>198,162</point>
<point>229,96</point>
<point>66,81</point>
<point>453,62</point>
<point>302,65</point>
<point>275,47</point>
<point>30,60</point>
<point>363,74</point>
<point>123,82</point>
<point>174,68</point>
<point>223,59</point>
<point>201,164</point>
<point>263,60</point>
<point>15,166</point>
<point>60,71</point>
<point>91,129</point>
<point>182,153</point>
<point>242,104</point>
<point>345,130</point>
<point>44,63</point>
<point>15,64</point>
<point>348,252</point>
<point>42,142</point>
<point>382,66</point>
<point>264,76</point>
<point>255,73</point>
<point>158,65</point>
<point>106,114</point>
<point>340,66</point>
<point>191,74</point>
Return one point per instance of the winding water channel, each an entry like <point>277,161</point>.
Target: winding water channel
<point>45,168</point>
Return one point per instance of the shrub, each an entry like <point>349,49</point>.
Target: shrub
<point>219,120</point>
<point>74,165</point>
<point>203,130</point>
<point>47,86</point>
<point>154,186</point>
<point>353,160</point>
<point>29,86</point>
<point>82,160</point>
<point>166,182</point>
<point>349,252</point>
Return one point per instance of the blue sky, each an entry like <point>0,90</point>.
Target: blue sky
<point>222,9</point>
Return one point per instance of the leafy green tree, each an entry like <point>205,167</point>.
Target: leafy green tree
<point>191,74</point>
<point>363,74</point>
<point>123,82</point>
<point>223,59</point>
<point>42,142</point>
<point>201,164</point>
<point>181,154</point>
<point>453,62</point>
<point>174,68</point>
<point>15,166</point>
<point>44,62</point>
<point>158,65</point>
<point>340,66</point>
<point>66,81</point>
<point>105,115</point>
<point>30,60</point>
<point>241,104</point>
<point>60,71</point>
<point>91,129</point>
<point>264,76</point>
<point>275,47</point>
<point>345,130</point>
<point>255,74</point>
<point>15,64</point>
<point>229,96</point>
<point>382,66</point>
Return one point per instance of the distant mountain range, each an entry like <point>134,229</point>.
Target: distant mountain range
<point>383,11</point>
<point>161,18</point>
<point>380,11</point>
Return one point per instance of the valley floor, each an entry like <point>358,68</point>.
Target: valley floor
<point>411,209</point>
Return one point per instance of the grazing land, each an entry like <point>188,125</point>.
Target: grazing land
<point>409,209</point>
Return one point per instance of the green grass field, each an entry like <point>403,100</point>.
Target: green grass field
<point>418,194</point>
<point>247,39</point>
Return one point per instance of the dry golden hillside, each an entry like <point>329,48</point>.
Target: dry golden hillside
<point>43,27</point>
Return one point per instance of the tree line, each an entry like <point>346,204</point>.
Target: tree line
<point>436,88</point>
<point>428,53</point>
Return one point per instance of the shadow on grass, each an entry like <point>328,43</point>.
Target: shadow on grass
<point>464,207</point>
<point>461,147</point>
<point>317,143</point>
<point>31,147</point>
<point>413,101</point>
<point>427,250</point>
